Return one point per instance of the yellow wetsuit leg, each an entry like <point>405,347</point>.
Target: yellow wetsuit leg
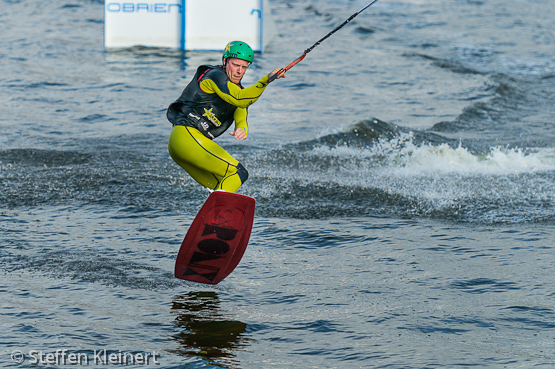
<point>205,160</point>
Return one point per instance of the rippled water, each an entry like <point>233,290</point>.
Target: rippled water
<point>404,177</point>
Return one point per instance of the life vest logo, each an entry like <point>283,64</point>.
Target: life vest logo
<point>194,116</point>
<point>211,117</point>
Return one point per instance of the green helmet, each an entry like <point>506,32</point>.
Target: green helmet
<point>239,50</point>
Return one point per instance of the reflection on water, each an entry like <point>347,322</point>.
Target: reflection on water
<point>171,60</point>
<point>202,330</point>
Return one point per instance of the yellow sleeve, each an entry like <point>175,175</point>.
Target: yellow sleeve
<point>242,98</point>
<point>241,119</point>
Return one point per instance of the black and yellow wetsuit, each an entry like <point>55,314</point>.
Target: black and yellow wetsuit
<point>207,107</point>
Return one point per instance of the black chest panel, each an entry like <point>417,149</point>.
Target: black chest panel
<point>207,112</point>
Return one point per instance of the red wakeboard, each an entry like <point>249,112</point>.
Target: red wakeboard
<point>217,238</point>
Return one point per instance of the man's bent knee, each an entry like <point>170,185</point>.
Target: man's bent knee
<point>242,173</point>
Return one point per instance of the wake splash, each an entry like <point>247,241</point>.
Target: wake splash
<point>403,157</point>
<point>382,169</point>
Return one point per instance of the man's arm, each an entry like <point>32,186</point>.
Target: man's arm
<point>231,93</point>
<point>241,124</point>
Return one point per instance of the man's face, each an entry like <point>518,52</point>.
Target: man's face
<point>235,69</point>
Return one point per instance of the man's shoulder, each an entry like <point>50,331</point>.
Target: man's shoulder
<point>219,76</point>
<point>213,72</point>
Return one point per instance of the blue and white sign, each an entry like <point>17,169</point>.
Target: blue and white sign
<point>188,24</point>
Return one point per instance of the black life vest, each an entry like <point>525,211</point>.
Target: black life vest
<point>206,112</point>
